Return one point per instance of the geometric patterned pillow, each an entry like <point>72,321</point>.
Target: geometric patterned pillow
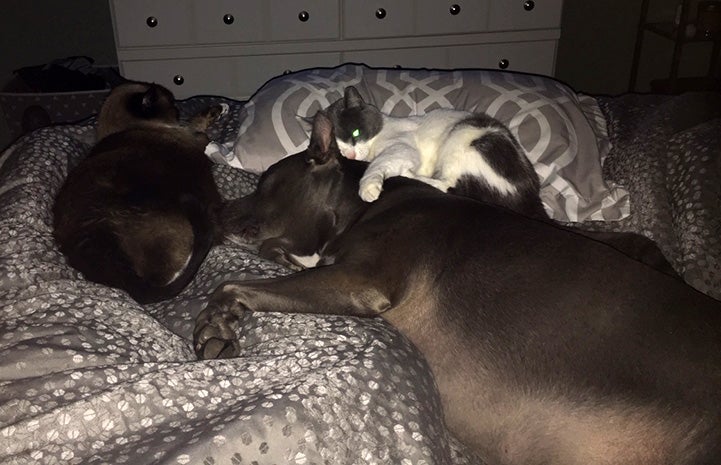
<point>563,133</point>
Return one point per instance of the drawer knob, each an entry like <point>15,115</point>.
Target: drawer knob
<point>152,21</point>
<point>178,80</point>
<point>228,19</point>
<point>503,64</point>
<point>381,13</point>
<point>303,16</point>
<point>455,9</point>
<point>528,5</point>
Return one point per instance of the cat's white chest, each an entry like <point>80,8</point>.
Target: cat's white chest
<point>424,134</point>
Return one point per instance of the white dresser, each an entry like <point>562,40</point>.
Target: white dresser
<point>231,47</point>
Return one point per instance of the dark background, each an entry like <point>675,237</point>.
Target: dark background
<point>594,53</point>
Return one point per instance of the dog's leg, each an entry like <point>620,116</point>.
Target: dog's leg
<point>634,245</point>
<point>333,289</point>
<point>275,249</point>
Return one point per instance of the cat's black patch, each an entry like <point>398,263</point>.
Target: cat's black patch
<point>500,149</point>
<point>506,157</point>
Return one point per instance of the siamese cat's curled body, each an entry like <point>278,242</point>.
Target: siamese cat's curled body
<point>139,213</point>
<point>465,153</point>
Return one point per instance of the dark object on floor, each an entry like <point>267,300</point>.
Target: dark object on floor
<point>72,74</point>
<point>35,117</point>
<point>66,90</point>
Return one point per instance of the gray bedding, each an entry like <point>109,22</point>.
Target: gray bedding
<point>667,153</point>
<point>89,376</point>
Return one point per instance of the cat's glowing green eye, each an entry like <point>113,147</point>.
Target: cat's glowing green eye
<point>356,133</point>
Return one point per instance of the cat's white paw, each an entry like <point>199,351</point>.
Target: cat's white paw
<point>370,189</point>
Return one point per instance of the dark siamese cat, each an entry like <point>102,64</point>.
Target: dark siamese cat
<point>459,152</point>
<point>140,212</point>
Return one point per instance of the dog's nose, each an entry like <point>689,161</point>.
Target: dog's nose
<point>239,226</point>
<point>249,230</point>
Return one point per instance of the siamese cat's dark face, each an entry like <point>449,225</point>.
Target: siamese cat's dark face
<point>134,103</point>
<point>356,124</point>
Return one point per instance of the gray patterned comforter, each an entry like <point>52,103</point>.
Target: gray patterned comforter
<point>667,153</point>
<point>89,376</point>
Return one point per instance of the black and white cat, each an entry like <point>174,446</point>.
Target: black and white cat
<point>464,153</point>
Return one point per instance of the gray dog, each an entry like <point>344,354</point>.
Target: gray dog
<point>547,347</point>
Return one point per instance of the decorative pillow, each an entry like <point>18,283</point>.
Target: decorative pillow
<point>563,133</point>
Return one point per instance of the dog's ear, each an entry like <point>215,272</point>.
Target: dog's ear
<point>306,122</point>
<point>352,97</point>
<point>322,147</point>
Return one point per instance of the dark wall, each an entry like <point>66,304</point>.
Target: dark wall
<point>34,32</point>
<point>597,41</point>
<point>37,31</point>
<point>594,53</point>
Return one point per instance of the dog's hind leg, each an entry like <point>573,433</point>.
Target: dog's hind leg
<point>334,289</point>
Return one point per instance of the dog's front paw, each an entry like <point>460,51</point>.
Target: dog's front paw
<point>216,327</point>
<point>370,189</point>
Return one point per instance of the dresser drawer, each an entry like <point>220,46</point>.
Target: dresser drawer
<point>304,19</point>
<point>227,21</point>
<point>507,15</point>
<point>528,57</point>
<point>373,18</point>
<point>451,17</point>
<point>198,76</point>
<point>237,77</point>
<point>253,71</point>
<point>156,22</point>
<point>188,22</point>
<point>427,57</point>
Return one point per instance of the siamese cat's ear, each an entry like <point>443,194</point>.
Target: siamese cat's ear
<point>352,98</point>
<point>322,147</point>
<point>150,99</point>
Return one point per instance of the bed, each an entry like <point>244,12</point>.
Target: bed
<point>87,375</point>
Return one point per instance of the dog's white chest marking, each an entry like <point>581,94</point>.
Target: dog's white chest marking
<point>306,261</point>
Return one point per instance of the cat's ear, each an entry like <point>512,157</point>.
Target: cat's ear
<point>150,99</point>
<point>352,98</point>
<point>322,147</point>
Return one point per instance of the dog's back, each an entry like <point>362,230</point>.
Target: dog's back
<point>541,352</point>
<point>138,212</point>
